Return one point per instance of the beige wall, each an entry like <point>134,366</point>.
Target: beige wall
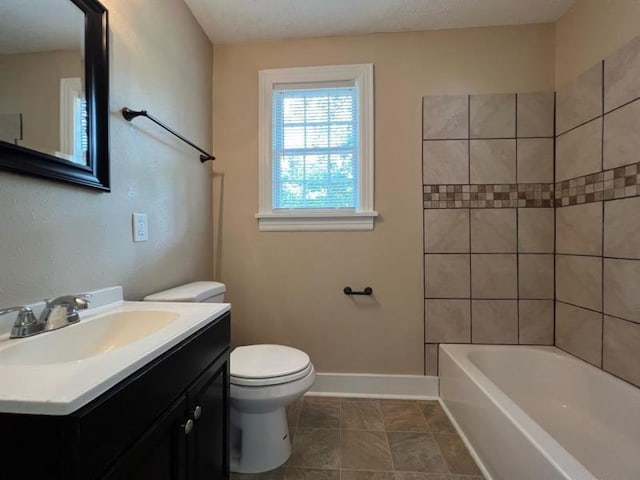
<point>30,84</point>
<point>591,30</point>
<point>56,238</point>
<point>287,286</point>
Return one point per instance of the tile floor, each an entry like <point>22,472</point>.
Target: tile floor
<point>366,439</point>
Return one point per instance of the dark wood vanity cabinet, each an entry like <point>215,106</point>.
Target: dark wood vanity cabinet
<point>169,420</point>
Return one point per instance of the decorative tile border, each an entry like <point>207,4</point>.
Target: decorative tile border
<point>620,182</point>
<point>505,195</point>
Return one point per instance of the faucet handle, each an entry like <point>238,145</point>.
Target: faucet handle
<point>25,323</point>
<point>25,315</point>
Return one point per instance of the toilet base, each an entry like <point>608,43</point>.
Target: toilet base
<point>259,441</point>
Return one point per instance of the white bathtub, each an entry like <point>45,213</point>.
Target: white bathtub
<point>537,413</point>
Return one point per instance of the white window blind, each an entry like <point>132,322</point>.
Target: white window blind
<point>315,148</point>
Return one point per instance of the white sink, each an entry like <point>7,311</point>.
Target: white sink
<point>86,339</point>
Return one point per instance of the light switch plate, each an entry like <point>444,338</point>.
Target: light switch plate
<point>140,227</point>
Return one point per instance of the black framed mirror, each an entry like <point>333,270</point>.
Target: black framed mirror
<point>58,129</point>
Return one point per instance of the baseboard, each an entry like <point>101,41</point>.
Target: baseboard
<point>375,386</point>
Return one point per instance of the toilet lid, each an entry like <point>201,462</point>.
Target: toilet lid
<point>267,361</point>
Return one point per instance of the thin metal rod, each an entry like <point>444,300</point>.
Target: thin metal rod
<point>129,115</point>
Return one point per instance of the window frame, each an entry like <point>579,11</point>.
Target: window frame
<point>361,218</point>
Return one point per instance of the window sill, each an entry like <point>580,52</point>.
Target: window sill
<point>315,222</point>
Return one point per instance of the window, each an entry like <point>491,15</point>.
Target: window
<point>316,148</point>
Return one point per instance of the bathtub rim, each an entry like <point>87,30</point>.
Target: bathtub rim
<point>538,437</point>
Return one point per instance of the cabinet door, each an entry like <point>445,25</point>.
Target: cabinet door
<point>161,454</point>
<point>209,407</point>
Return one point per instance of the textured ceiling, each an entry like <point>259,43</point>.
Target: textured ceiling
<point>232,21</point>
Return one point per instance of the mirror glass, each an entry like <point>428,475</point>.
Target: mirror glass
<point>43,105</point>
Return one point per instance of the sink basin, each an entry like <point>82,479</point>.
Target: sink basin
<point>87,338</point>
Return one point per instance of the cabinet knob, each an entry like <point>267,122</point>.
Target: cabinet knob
<point>197,412</point>
<point>188,427</point>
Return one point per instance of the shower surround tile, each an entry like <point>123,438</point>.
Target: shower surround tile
<point>535,160</point>
<point>492,161</point>
<point>621,347</point>
<point>535,230</point>
<point>622,228</point>
<point>621,73</point>
<point>580,100</point>
<point>493,116</point>
<point>494,276</point>
<point>445,161</point>
<point>535,115</point>
<point>448,231</point>
<point>447,276</point>
<point>495,321</point>
<point>445,116</point>
<point>447,321</point>
<point>536,322</point>
<point>579,332</point>
<point>621,281</point>
<point>579,152</point>
<point>622,136</point>
<point>493,231</point>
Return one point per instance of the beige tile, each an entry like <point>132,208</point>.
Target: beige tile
<point>310,474</point>
<point>447,321</point>
<point>493,161</point>
<point>455,454</point>
<point>293,413</point>
<point>493,116</point>
<point>365,450</point>
<point>365,475</point>
<point>445,117</point>
<point>535,160</point>
<point>316,448</point>
<point>493,230</point>
<point>402,416</point>
<point>423,476</point>
<point>535,114</point>
<point>621,288</point>
<point>495,321</point>
<point>437,420</point>
<point>579,100</point>
<point>446,231</point>
<point>447,276</point>
<point>622,349</point>
<point>416,452</point>
<point>494,276</point>
<point>622,228</point>
<point>621,73</point>
<point>445,161</point>
<point>535,276</point>
<point>579,152</point>
<point>579,331</point>
<point>579,229</point>
<point>536,322</point>
<point>535,230</point>
<point>579,281</point>
<point>320,412</point>
<point>622,136</point>
<point>360,414</point>
<point>431,359</point>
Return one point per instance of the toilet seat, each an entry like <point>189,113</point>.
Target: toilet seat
<point>263,365</point>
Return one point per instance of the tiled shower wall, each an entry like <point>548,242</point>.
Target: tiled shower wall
<point>488,220</point>
<point>496,243</point>
<point>598,215</point>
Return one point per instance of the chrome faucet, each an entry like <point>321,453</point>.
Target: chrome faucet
<point>58,312</point>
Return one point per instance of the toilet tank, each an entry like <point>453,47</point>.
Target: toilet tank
<point>196,292</point>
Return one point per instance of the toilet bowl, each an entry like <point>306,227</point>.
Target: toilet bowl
<point>264,379</point>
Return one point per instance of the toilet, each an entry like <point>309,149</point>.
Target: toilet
<point>264,380</point>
